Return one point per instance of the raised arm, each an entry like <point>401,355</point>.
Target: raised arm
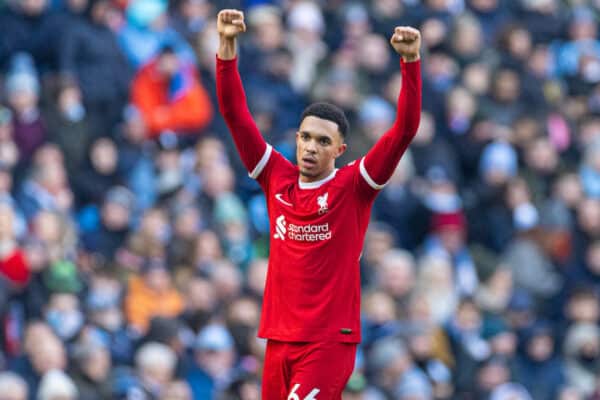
<point>380,162</point>
<point>250,144</point>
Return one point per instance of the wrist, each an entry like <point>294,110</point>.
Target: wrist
<point>227,48</point>
<point>411,57</point>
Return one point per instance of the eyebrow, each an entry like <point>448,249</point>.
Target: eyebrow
<point>319,137</point>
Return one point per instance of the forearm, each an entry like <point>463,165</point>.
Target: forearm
<point>233,106</point>
<point>227,48</point>
<point>382,159</point>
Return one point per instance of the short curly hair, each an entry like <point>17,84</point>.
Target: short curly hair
<point>329,112</point>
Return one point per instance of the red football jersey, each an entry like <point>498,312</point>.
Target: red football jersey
<point>317,229</point>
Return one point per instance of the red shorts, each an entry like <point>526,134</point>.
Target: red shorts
<point>306,371</point>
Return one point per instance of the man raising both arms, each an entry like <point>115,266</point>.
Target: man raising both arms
<point>319,215</point>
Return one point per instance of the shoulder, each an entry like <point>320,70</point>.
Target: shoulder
<point>349,169</point>
<point>284,167</point>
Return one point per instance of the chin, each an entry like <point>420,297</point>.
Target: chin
<point>308,174</point>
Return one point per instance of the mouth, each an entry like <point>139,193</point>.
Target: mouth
<point>309,162</point>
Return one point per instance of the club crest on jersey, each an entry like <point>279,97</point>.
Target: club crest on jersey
<point>322,202</point>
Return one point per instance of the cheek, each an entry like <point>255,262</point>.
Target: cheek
<point>327,153</point>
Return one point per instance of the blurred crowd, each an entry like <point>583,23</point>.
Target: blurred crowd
<point>134,246</point>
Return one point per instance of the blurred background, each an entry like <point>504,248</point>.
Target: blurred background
<point>133,244</point>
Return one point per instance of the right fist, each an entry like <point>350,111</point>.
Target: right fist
<point>230,23</point>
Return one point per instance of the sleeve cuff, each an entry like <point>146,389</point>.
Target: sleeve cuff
<point>411,65</point>
<point>262,163</point>
<point>367,177</point>
<point>226,63</point>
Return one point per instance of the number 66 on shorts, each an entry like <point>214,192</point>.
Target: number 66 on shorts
<point>294,396</point>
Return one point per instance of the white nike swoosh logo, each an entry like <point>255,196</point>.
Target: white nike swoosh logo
<point>278,197</point>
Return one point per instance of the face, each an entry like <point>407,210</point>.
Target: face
<point>540,348</point>
<point>115,216</point>
<point>158,279</point>
<point>104,156</point>
<point>318,144</point>
<point>584,309</point>
<point>16,392</point>
<point>6,222</point>
<point>168,64</point>
<point>397,277</point>
<point>97,366</point>
<point>177,391</point>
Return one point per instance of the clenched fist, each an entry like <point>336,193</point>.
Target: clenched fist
<point>230,23</point>
<point>407,42</point>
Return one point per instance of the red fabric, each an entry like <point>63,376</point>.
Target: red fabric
<point>382,159</point>
<point>447,221</point>
<point>312,292</point>
<point>188,113</point>
<point>297,370</point>
<point>14,267</point>
<point>234,108</point>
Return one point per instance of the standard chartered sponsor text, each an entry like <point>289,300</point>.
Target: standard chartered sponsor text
<point>309,233</point>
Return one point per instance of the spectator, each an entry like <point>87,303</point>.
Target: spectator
<point>582,349</point>
<point>540,364</point>
<point>108,235</point>
<point>46,188</point>
<point>70,126</point>
<point>396,372</point>
<point>91,369</point>
<point>214,357</point>
<point>14,387</point>
<point>13,264</point>
<point>165,90</point>
<point>63,315</point>
<point>396,276</point>
<point>103,74</point>
<point>9,152</point>
<point>43,352</point>
<point>155,368</point>
<point>447,239</point>
<point>151,295</point>
<point>56,385</point>
<point>30,26</point>
<point>98,174</point>
<point>23,94</point>
<point>177,390</point>
<point>136,164</point>
<point>146,30</point>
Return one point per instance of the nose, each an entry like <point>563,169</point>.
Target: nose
<point>311,146</point>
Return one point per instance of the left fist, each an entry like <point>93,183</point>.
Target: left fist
<point>407,42</point>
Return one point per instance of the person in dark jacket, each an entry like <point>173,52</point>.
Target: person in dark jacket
<point>98,174</point>
<point>91,369</point>
<point>23,93</point>
<point>113,227</point>
<point>538,363</point>
<point>90,55</point>
<point>29,26</point>
<point>70,126</point>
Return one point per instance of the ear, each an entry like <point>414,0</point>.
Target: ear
<point>341,149</point>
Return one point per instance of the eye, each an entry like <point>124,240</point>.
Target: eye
<point>305,136</point>
<point>324,141</point>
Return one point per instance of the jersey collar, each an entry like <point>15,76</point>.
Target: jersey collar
<point>316,184</point>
